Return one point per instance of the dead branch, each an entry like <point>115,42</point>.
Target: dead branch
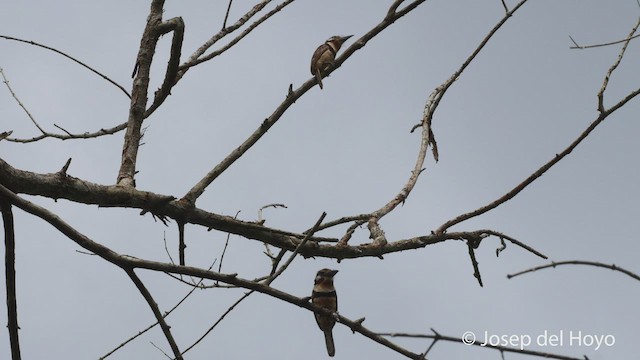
<point>553,264</point>
<point>226,15</point>
<point>10,276</point>
<point>70,58</point>
<point>140,91</point>
<point>80,191</point>
<point>141,332</point>
<point>171,76</point>
<point>613,67</point>
<point>582,47</point>
<point>166,329</point>
<point>197,58</point>
<point>6,82</point>
<point>68,136</point>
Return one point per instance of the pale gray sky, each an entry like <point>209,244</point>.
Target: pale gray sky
<point>344,150</point>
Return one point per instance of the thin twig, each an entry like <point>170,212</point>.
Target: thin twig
<point>576,46</point>
<point>159,349</point>
<point>340,221</point>
<point>261,220</point>
<point>86,135</point>
<point>226,243</point>
<point>206,333</point>
<point>504,5</point>
<point>141,332</point>
<point>70,58</point>
<point>197,58</point>
<point>156,311</point>
<point>226,15</point>
<point>6,82</point>
<point>553,264</point>
<point>613,67</point>
<point>295,252</point>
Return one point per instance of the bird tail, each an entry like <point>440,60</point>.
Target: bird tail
<point>328,338</point>
<point>319,78</point>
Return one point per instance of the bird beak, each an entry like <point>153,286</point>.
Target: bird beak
<point>332,273</point>
<point>345,38</point>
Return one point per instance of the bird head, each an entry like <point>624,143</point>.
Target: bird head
<point>338,40</point>
<point>325,275</point>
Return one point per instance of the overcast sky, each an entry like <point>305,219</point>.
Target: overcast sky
<point>345,150</point>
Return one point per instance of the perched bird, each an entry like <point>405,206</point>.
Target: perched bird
<point>324,295</point>
<point>324,56</point>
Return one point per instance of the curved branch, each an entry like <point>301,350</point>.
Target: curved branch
<point>613,67</point>
<point>581,47</point>
<point>553,264</point>
<point>70,58</point>
<point>427,138</point>
<point>69,136</point>
<point>171,76</point>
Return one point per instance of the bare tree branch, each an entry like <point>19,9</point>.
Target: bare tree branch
<point>171,76</point>
<point>70,58</point>
<point>182,246</point>
<point>51,185</point>
<point>166,329</point>
<point>226,15</point>
<point>504,5</point>
<point>86,135</point>
<point>140,91</point>
<point>613,67</point>
<point>10,276</point>
<point>197,58</point>
<point>581,47</point>
<point>553,264</point>
<point>141,332</point>
<point>6,82</point>
<point>46,134</point>
<point>284,266</point>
